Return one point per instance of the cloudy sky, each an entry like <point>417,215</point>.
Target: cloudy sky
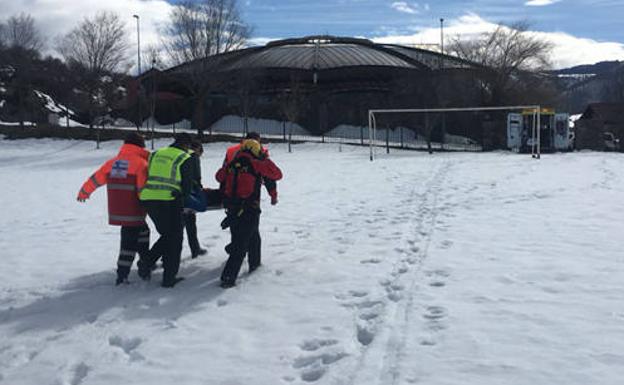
<point>584,31</point>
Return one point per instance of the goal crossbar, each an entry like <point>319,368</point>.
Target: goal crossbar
<point>535,133</point>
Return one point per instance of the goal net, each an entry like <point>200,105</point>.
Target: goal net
<point>456,129</point>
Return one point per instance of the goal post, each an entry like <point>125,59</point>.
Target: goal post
<point>535,113</point>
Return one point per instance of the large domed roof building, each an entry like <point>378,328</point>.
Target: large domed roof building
<point>319,82</point>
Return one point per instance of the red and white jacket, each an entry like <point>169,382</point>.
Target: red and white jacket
<point>124,177</point>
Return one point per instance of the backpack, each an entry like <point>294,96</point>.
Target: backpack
<point>242,183</point>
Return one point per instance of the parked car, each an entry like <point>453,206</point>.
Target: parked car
<point>611,143</point>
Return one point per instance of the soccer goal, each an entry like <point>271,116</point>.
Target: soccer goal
<point>453,129</point>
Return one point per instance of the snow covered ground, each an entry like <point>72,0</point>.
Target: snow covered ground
<point>415,269</point>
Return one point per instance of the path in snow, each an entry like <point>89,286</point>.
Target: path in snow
<point>445,269</point>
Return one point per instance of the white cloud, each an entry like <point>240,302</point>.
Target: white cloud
<point>540,3</point>
<point>260,41</point>
<point>404,7</point>
<point>58,17</point>
<point>568,50</point>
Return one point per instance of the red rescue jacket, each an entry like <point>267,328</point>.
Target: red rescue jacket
<point>124,177</point>
<point>232,151</point>
<point>241,178</point>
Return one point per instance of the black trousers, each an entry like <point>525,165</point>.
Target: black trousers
<point>167,217</point>
<point>134,239</point>
<point>245,241</point>
<point>190,223</point>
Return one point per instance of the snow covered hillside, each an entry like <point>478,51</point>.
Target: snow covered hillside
<point>415,269</point>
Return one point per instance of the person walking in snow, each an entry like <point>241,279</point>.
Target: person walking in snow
<point>124,176</point>
<point>169,182</point>
<point>189,216</point>
<point>241,179</point>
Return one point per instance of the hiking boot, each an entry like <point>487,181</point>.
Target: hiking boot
<point>254,268</point>
<point>197,253</point>
<point>145,275</point>
<point>227,284</point>
<point>172,283</point>
<point>121,280</point>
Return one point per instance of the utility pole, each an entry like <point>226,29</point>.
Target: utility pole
<point>153,110</point>
<point>140,117</point>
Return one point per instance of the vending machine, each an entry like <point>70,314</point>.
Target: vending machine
<point>554,131</point>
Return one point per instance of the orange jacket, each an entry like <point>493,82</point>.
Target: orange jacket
<point>124,177</point>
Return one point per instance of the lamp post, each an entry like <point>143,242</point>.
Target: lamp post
<point>442,36</point>
<point>139,117</point>
<point>153,110</point>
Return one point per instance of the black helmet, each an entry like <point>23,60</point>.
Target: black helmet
<point>183,139</point>
<point>136,139</point>
<point>197,147</point>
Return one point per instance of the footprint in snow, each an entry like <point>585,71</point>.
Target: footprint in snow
<point>368,316</point>
<point>446,244</point>
<point>437,273</point>
<point>358,293</point>
<point>372,261</point>
<point>128,345</point>
<point>80,372</point>
<point>314,366</point>
<point>365,334</point>
<point>435,313</point>
<point>316,344</point>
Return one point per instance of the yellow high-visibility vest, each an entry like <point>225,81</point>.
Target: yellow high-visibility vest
<point>164,179</point>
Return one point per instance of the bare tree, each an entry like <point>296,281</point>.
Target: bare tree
<point>2,35</point>
<point>244,87</point>
<point>21,31</point>
<point>20,41</point>
<point>507,52</point>
<point>96,48</point>
<point>99,44</point>
<point>198,29</point>
<point>152,55</point>
<point>291,103</point>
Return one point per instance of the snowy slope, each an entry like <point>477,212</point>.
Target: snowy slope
<point>415,269</point>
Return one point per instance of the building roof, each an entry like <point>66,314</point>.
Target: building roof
<point>324,53</point>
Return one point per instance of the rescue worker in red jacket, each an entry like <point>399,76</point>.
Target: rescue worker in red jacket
<point>270,185</point>
<point>241,180</point>
<point>124,177</point>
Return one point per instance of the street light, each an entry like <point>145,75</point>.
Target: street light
<point>138,43</point>
<point>442,36</point>
<point>139,117</point>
